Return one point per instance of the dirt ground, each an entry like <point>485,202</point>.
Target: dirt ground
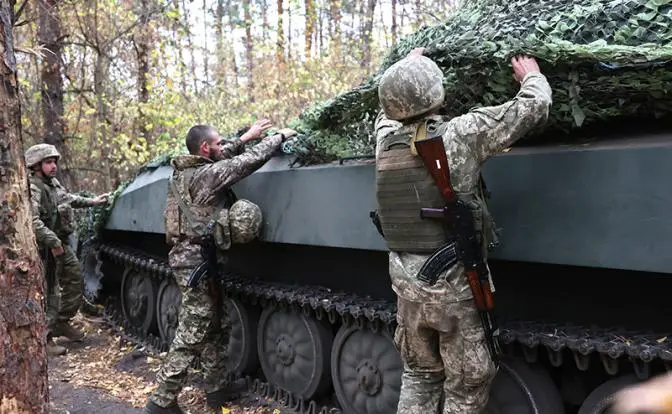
<point>105,375</point>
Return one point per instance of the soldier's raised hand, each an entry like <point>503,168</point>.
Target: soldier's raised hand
<point>256,130</point>
<point>102,199</point>
<point>522,65</point>
<point>418,51</point>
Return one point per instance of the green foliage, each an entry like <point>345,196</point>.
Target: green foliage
<point>603,58</point>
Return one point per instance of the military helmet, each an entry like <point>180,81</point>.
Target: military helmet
<point>411,87</point>
<point>35,154</point>
<point>245,221</point>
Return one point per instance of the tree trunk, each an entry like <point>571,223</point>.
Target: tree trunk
<point>51,91</point>
<point>264,19</point>
<point>190,45</point>
<point>367,28</point>
<point>335,12</point>
<point>142,42</point>
<point>178,44</point>
<point>23,383</point>
<point>206,52</point>
<point>249,48</point>
<point>289,31</point>
<point>394,22</point>
<point>220,65</point>
<point>310,28</point>
<point>280,46</point>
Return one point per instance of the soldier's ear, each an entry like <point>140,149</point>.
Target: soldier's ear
<point>205,146</point>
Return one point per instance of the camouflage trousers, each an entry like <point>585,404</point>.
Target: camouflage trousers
<point>447,367</point>
<point>200,333</point>
<point>65,296</point>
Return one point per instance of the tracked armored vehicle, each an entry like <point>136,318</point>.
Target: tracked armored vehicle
<point>582,278</point>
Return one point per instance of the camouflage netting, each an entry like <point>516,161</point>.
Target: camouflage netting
<point>604,60</point>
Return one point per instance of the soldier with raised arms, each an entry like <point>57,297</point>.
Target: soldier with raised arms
<point>202,214</point>
<point>443,346</point>
<point>53,223</point>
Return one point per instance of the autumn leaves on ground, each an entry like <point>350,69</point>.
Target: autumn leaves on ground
<point>106,375</point>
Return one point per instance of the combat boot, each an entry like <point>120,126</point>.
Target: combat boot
<point>152,408</point>
<point>67,330</point>
<point>54,349</point>
<point>219,398</point>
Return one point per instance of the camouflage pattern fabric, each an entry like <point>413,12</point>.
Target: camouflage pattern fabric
<point>199,333</point>
<point>411,87</point>
<point>196,334</point>
<point>443,348</point>
<point>210,182</point>
<point>71,284</point>
<point>245,221</point>
<point>39,152</point>
<point>444,312</point>
<point>48,198</point>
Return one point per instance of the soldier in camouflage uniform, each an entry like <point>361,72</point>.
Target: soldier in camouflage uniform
<point>53,222</point>
<point>203,180</point>
<point>442,343</point>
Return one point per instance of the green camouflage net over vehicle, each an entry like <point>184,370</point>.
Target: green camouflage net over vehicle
<point>604,60</point>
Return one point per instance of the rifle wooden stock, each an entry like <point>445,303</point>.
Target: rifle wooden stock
<point>481,290</point>
<point>433,154</point>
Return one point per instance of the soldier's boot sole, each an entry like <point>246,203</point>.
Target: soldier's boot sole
<point>219,398</point>
<point>68,331</point>
<point>152,408</point>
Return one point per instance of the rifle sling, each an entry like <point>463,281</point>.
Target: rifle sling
<point>185,205</point>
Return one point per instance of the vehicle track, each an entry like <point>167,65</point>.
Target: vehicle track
<point>530,338</point>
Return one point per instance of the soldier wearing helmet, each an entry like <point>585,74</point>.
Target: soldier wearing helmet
<point>201,212</point>
<point>439,335</point>
<point>53,222</point>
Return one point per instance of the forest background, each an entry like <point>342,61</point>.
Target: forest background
<point>114,83</point>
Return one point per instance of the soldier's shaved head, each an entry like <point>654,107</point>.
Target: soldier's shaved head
<point>196,135</point>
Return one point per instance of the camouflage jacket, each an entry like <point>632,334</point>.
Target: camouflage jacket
<point>53,218</point>
<point>469,139</point>
<point>210,182</point>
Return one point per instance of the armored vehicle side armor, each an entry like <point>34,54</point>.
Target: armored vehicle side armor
<point>582,278</point>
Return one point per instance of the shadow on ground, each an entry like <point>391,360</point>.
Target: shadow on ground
<point>104,375</point>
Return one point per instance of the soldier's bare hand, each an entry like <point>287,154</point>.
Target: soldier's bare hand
<point>102,199</point>
<point>256,130</point>
<point>418,51</point>
<point>653,396</point>
<point>522,65</point>
<point>287,132</point>
<point>57,251</point>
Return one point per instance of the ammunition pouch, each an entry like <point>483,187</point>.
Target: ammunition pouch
<point>66,220</point>
<point>202,226</point>
<point>221,232</point>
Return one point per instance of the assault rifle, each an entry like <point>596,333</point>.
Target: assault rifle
<point>52,267</point>
<point>458,220</point>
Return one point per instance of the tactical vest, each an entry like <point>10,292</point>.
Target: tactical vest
<point>404,186</point>
<point>48,209</point>
<point>198,223</point>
